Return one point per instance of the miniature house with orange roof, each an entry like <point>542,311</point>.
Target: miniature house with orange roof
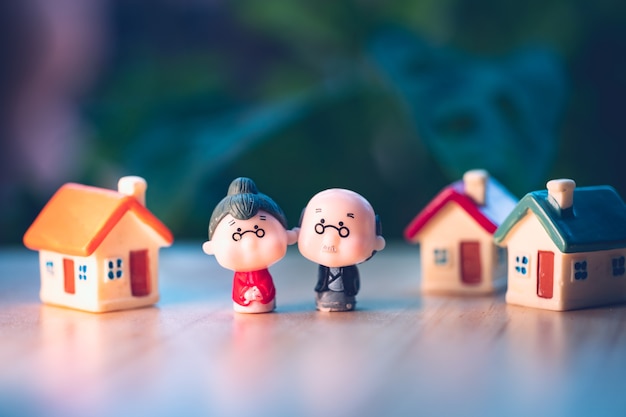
<point>566,247</point>
<point>455,235</point>
<point>98,248</point>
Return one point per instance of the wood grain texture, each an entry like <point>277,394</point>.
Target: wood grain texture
<point>399,354</point>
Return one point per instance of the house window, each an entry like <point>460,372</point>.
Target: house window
<point>580,270</point>
<point>50,267</point>
<point>441,256</point>
<point>113,269</point>
<point>521,265</point>
<point>82,272</point>
<point>617,265</point>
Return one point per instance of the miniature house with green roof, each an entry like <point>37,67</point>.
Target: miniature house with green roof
<point>98,248</point>
<point>455,235</point>
<point>566,247</point>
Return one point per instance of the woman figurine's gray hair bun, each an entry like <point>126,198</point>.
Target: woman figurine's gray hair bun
<point>243,201</point>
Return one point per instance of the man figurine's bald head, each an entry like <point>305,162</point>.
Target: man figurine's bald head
<point>339,228</point>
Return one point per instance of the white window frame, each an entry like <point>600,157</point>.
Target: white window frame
<point>49,265</point>
<point>441,256</point>
<point>117,270</point>
<point>82,272</point>
<point>584,274</point>
<point>618,257</point>
<point>519,267</point>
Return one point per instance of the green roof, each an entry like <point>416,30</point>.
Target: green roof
<point>597,220</point>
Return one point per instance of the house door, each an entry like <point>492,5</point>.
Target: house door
<point>470,263</point>
<point>139,273</point>
<point>545,274</point>
<point>68,276</point>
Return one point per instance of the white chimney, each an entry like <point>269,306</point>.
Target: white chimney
<point>133,186</point>
<point>561,192</point>
<point>475,182</point>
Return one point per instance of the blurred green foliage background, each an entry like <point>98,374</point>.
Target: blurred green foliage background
<point>391,99</point>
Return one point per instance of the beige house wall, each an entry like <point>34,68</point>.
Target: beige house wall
<point>445,230</point>
<point>98,293</point>
<point>527,238</point>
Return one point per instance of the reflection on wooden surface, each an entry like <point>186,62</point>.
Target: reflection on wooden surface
<point>400,353</point>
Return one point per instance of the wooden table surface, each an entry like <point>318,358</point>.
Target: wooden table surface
<point>400,354</point>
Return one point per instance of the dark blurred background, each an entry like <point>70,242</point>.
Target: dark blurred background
<point>391,99</point>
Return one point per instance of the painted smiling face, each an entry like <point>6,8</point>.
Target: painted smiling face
<point>338,228</point>
<point>249,245</point>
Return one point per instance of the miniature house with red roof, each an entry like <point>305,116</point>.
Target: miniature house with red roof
<point>98,248</point>
<point>455,234</point>
<point>566,247</point>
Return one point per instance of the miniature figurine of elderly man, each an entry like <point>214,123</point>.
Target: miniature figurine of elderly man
<point>248,233</point>
<point>338,230</point>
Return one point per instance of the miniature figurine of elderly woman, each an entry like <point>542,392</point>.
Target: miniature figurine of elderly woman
<point>338,230</point>
<point>248,233</point>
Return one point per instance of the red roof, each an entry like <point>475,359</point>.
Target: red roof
<point>499,203</point>
<point>78,218</point>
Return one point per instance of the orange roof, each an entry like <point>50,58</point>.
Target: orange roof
<point>78,218</point>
